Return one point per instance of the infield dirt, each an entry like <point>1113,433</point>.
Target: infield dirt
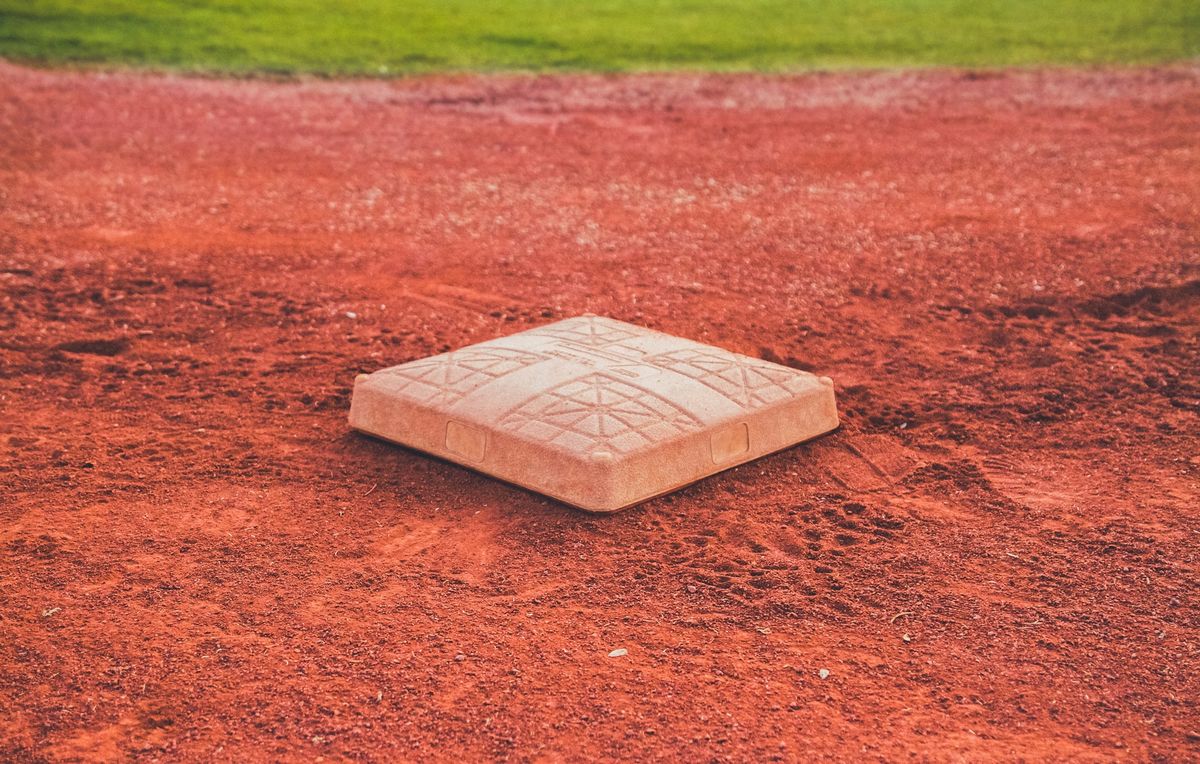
<point>995,556</point>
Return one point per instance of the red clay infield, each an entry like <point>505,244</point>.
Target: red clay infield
<point>996,556</point>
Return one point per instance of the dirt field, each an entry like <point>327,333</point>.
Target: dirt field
<point>996,556</point>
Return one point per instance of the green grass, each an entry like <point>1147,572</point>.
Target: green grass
<point>396,36</point>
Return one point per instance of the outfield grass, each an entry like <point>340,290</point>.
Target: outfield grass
<point>396,36</point>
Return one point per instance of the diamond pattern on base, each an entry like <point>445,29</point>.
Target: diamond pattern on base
<point>446,379</point>
<point>746,382</point>
<point>598,412</point>
<point>593,331</point>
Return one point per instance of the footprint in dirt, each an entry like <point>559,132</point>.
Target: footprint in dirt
<point>867,463</point>
<point>796,564</point>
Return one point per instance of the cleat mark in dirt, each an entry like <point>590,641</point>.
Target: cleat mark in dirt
<point>869,463</point>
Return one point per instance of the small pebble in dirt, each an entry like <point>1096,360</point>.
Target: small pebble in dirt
<point>351,314</point>
<point>906,638</point>
<point>823,673</point>
<point>460,657</point>
<point>618,652</point>
<point>691,588</point>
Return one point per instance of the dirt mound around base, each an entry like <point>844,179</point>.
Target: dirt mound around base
<point>995,555</point>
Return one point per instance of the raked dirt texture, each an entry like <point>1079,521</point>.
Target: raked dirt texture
<point>996,555</point>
